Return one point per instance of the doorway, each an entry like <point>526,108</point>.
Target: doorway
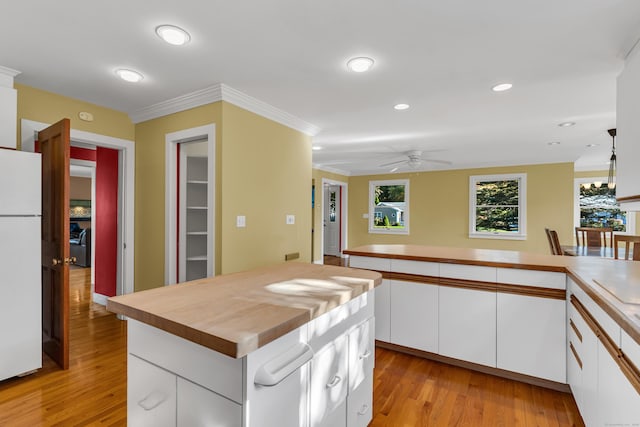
<point>334,214</point>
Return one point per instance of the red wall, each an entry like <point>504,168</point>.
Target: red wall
<point>106,233</point>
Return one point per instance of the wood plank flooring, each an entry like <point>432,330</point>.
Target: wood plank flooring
<point>408,391</point>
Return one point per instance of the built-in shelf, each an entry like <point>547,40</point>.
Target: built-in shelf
<point>197,233</point>
<point>197,208</point>
<point>197,182</point>
<point>197,258</point>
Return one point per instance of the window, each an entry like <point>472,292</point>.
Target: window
<point>497,206</point>
<point>597,207</point>
<point>389,206</point>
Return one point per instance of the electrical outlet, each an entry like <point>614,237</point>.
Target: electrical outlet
<point>291,219</point>
<point>241,221</point>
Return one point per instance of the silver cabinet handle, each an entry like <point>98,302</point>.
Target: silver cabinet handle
<point>334,381</point>
<point>283,365</point>
<point>153,400</point>
<point>363,410</point>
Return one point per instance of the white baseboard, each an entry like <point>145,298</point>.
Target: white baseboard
<point>100,299</point>
<point>318,261</point>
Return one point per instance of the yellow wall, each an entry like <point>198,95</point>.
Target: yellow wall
<point>439,208</point>
<point>266,174</point>
<point>46,107</point>
<point>150,189</point>
<point>318,227</point>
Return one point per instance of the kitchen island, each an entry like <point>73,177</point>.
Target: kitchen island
<point>568,323</point>
<point>253,348</point>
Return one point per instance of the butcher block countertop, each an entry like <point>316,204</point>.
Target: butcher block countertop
<point>613,284</point>
<point>237,313</point>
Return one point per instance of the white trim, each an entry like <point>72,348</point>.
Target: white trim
<point>631,215</point>
<point>388,182</point>
<point>343,218</point>
<point>6,76</point>
<point>171,144</point>
<point>125,281</point>
<point>99,298</point>
<point>222,92</point>
<point>332,170</point>
<point>522,206</point>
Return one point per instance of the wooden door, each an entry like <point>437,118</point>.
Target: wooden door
<point>54,145</point>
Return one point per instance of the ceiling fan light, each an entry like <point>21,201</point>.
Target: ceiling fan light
<point>173,35</point>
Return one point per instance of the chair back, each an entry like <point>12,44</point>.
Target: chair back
<point>554,242</point>
<point>628,253</point>
<point>594,236</point>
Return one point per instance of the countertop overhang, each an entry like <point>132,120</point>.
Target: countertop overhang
<point>237,313</point>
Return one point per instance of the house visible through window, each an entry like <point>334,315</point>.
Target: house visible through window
<point>597,207</point>
<point>389,206</point>
<point>497,206</point>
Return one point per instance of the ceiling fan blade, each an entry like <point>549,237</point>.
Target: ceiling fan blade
<point>442,162</point>
<point>392,163</point>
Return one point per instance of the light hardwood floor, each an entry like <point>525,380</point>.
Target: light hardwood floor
<point>408,391</point>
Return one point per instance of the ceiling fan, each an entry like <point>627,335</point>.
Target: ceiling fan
<point>414,160</point>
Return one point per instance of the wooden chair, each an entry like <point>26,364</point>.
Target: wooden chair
<point>594,236</point>
<point>554,242</point>
<point>628,254</point>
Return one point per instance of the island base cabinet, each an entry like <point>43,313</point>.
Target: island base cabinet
<point>199,407</point>
<point>467,325</point>
<point>360,404</point>
<point>151,394</point>
<point>329,385</point>
<point>618,401</point>
<point>529,338</point>
<point>383,311</point>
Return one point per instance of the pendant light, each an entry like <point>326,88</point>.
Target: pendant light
<point>611,183</point>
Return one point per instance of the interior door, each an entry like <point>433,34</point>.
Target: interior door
<point>54,143</point>
<point>332,218</point>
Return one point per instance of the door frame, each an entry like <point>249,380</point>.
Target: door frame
<point>343,215</point>
<point>126,224</point>
<point>171,201</point>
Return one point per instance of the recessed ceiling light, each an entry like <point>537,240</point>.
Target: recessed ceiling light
<point>566,124</point>
<point>553,143</point>
<point>502,87</point>
<point>129,75</point>
<point>316,148</point>
<point>360,64</point>
<point>173,35</point>
<point>591,146</point>
<point>401,106</point>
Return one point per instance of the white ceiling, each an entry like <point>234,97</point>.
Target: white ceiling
<point>441,57</point>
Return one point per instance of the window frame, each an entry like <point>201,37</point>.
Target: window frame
<point>371,216</point>
<point>577,182</point>
<point>522,206</point>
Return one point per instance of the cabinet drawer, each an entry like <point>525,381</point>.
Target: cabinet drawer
<point>215,371</point>
<point>468,272</point>
<point>151,394</point>
<point>370,263</point>
<point>198,406</point>
<point>361,353</point>
<point>609,326</point>
<point>422,268</point>
<point>543,279</point>
<point>329,383</point>
<point>360,404</point>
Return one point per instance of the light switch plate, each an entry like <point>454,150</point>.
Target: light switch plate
<point>241,221</point>
<point>291,219</point>
<point>365,215</point>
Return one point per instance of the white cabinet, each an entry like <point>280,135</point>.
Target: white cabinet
<point>360,404</point>
<point>414,315</point>
<point>618,401</point>
<point>531,336</point>
<point>199,407</point>
<point>383,311</point>
<point>467,325</point>
<point>151,394</point>
<point>361,354</point>
<point>329,384</point>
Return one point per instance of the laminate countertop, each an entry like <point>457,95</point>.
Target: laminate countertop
<point>613,284</point>
<point>237,313</point>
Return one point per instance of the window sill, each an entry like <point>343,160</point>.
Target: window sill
<point>498,236</point>
<point>388,231</point>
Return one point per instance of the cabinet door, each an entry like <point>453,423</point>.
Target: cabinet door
<point>531,336</point>
<point>361,353</point>
<point>360,404</point>
<point>329,384</point>
<point>589,402</point>
<point>199,407</point>
<point>414,315</point>
<point>382,310</point>
<point>467,325</point>
<point>151,394</point>
<point>618,401</point>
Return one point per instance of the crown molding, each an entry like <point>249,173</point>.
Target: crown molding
<point>222,92</point>
<point>332,170</point>
<point>6,76</point>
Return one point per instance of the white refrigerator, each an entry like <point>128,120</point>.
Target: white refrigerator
<point>20,271</point>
